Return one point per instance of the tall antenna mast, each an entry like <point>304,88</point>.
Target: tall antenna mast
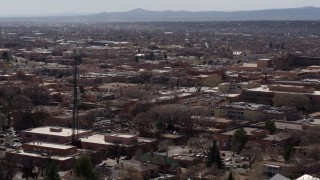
<point>75,101</point>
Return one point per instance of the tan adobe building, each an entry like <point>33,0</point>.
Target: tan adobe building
<point>264,94</point>
<point>119,89</point>
<point>85,120</point>
<point>98,52</point>
<point>254,112</point>
<point>260,65</point>
<point>144,170</point>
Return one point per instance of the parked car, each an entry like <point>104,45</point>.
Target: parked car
<point>102,164</point>
<point>228,159</point>
<point>126,158</point>
<point>14,146</point>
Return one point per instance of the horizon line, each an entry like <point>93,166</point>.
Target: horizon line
<point>92,13</point>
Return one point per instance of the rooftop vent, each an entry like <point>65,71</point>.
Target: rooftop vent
<point>55,129</point>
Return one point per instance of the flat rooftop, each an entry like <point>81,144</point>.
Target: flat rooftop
<point>312,122</point>
<point>137,165</point>
<point>288,125</point>
<point>121,135</point>
<point>249,65</point>
<point>282,125</point>
<point>277,137</point>
<point>171,136</point>
<point>146,140</point>
<point>95,138</point>
<point>243,105</point>
<point>213,119</point>
<point>98,139</point>
<point>47,130</point>
<point>116,85</point>
<point>69,115</point>
<point>266,89</point>
<point>29,154</point>
<point>49,145</point>
<point>247,129</point>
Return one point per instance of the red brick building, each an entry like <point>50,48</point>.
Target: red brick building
<point>59,135</point>
<point>224,139</point>
<point>40,152</point>
<point>127,141</point>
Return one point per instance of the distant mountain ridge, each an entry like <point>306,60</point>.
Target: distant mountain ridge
<point>304,13</point>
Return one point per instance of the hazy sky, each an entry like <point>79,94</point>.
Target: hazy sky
<point>50,7</point>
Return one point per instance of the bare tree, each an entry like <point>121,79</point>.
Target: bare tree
<point>299,101</point>
<point>253,152</point>
<point>129,173</point>
<point>116,151</point>
<point>8,168</point>
<point>203,142</point>
<point>212,80</point>
<point>273,152</point>
<point>143,123</point>
<point>164,145</point>
<point>212,173</point>
<point>257,172</point>
<point>193,172</point>
<point>3,120</point>
<point>314,153</point>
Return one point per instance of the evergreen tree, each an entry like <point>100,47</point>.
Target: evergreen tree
<point>84,168</point>
<point>270,125</point>
<point>165,56</point>
<point>214,156</point>
<point>287,153</point>
<point>230,177</point>
<point>136,58</point>
<point>239,140</point>
<point>27,168</point>
<point>78,58</point>
<point>152,56</point>
<point>51,171</point>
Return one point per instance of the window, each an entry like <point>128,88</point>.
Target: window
<point>271,170</point>
<point>41,137</point>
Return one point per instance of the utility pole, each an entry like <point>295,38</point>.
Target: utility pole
<point>75,123</point>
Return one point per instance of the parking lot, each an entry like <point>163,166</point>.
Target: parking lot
<point>229,159</point>
<point>9,140</point>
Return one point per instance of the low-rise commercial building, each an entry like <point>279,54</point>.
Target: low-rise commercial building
<point>58,135</point>
<point>129,142</point>
<point>42,152</point>
<point>254,112</point>
<point>224,139</point>
<point>119,89</point>
<point>265,94</point>
<point>143,170</point>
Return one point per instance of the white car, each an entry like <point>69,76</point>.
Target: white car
<point>102,164</point>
